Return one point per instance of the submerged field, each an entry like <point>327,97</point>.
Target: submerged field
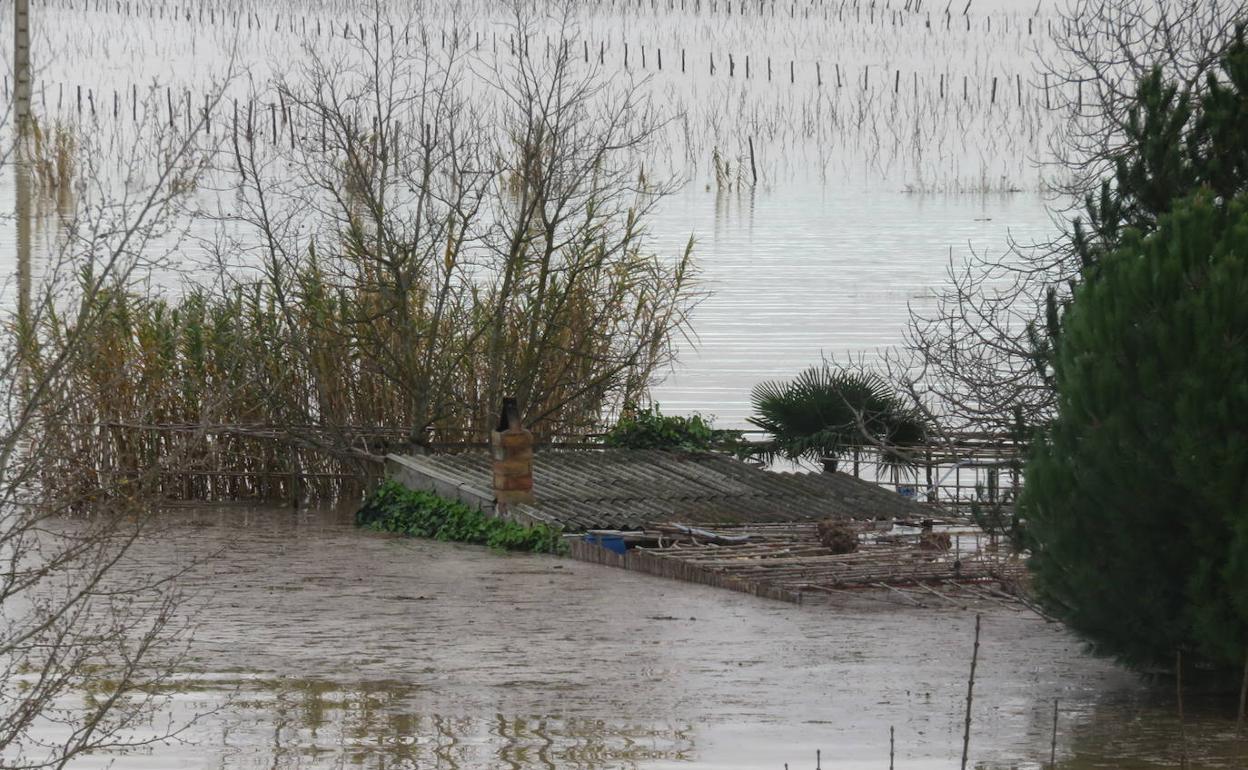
<point>830,160</point>
<point>929,98</point>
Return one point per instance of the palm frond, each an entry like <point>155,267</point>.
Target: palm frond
<point>826,411</point>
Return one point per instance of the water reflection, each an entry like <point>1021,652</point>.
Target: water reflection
<point>291,723</point>
<point>318,724</point>
<point>23,215</point>
<point>1141,731</point>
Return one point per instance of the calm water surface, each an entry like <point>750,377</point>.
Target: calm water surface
<point>806,271</point>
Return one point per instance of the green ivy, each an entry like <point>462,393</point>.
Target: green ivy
<point>395,508</point>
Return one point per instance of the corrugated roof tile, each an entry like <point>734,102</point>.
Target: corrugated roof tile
<point>627,489</point>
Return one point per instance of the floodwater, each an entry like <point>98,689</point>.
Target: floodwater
<point>323,646</point>
<point>823,256</point>
<point>788,275</point>
<point>807,271</point>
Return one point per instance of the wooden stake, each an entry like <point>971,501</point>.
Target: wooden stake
<point>1178,691</point>
<point>1053,746</point>
<point>1243,699</point>
<point>970,691</point>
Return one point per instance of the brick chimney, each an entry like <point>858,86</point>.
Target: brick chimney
<point>512,447</point>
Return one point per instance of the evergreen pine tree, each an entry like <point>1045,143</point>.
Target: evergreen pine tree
<point>1137,493</point>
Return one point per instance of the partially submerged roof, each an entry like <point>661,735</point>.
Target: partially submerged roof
<point>628,489</point>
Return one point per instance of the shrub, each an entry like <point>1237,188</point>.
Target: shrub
<point>827,411</point>
<point>651,429</point>
<point>1136,498</point>
<point>395,508</point>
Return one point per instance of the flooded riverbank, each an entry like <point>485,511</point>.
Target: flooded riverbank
<point>320,645</point>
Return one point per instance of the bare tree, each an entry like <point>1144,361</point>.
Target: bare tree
<point>440,231</point>
<point>87,639</point>
<point>977,358</point>
<point>1103,50</point>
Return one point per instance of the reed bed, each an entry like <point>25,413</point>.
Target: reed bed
<point>260,397</point>
<point>392,297</point>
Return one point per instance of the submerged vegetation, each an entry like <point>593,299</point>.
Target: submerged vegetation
<point>394,508</point>
<point>52,160</point>
<point>928,97</point>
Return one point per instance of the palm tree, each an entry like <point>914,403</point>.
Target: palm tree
<point>827,411</point>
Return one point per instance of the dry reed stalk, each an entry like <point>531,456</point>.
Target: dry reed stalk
<point>392,318</point>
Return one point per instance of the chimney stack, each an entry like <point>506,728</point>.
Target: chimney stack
<point>512,447</point>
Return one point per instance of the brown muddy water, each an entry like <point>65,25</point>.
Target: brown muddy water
<point>322,646</point>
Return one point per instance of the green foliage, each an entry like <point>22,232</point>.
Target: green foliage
<point>395,508</point>
<point>1137,493</point>
<point>992,512</point>
<point>651,429</point>
<point>1135,499</point>
<point>827,411</point>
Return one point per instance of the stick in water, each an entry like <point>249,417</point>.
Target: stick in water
<point>1243,699</point>
<point>1178,689</point>
<point>970,694</point>
<point>1053,746</point>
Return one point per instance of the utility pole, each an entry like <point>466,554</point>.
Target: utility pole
<point>21,66</point>
<point>21,167</point>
